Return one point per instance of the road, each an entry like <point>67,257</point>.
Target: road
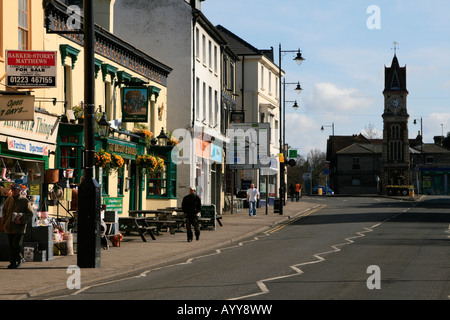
<point>358,248</point>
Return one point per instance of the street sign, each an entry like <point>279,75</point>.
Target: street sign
<point>293,153</point>
<point>31,69</point>
<point>307,176</point>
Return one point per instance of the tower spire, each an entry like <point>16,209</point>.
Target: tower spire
<point>395,48</point>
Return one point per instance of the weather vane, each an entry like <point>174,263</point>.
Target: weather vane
<point>395,47</point>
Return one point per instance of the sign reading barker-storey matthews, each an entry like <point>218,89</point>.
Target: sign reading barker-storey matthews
<point>31,69</point>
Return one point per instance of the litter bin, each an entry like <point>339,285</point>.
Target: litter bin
<point>276,205</point>
<point>319,191</point>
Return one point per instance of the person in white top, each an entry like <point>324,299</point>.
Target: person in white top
<point>252,198</point>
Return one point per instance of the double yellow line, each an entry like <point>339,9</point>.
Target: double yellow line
<point>288,222</point>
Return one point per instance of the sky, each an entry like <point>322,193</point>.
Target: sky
<point>346,45</point>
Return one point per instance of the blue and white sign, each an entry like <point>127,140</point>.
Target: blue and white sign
<point>27,146</point>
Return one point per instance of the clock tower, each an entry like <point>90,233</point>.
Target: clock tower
<point>395,154</point>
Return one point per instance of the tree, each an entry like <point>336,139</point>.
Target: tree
<point>446,141</point>
<point>314,162</point>
<point>370,132</point>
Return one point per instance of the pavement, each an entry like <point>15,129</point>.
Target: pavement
<point>34,279</point>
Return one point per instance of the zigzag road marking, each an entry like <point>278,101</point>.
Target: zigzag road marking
<point>218,251</point>
<point>318,258</point>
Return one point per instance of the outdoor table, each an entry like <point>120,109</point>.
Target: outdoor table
<point>137,223</point>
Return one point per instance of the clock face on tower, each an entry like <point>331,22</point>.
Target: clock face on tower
<point>395,104</point>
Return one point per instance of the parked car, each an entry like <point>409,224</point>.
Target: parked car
<point>316,190</point>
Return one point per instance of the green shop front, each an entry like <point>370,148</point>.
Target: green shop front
<point>121,184</point>
<point>131,187</point>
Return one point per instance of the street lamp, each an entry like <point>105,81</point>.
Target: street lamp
<point>331,154</point>
<point>104,126</point>
<point>162,138</point>
<point>299,59</point>
<point>330,126</point>
<point>419,185</point>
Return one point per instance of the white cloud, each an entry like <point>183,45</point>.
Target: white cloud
<point>327,97</point>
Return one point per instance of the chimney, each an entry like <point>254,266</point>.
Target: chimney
<point>438,140</point>
<point>104,14</point>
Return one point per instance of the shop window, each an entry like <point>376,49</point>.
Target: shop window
<point>157,184</point>
<point>69,153</point>
<point>163,184</point>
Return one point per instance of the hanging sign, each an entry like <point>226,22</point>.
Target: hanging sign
<point>31,69</point>
<point>135,104</point>
<point>16,107</point>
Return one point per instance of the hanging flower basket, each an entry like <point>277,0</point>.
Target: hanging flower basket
<point>150,163</point>
<point>103,159</point>
<point>117,162</point>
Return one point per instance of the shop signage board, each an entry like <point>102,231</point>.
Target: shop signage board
<point>16,107</point>
<point>31,69</point>
<point>113,204</point>
<point>43,129</point>
<point>27,146</point>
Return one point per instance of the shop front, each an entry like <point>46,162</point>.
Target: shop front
<point>120,179</point>
<point>25,149</point>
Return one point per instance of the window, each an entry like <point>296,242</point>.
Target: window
<point>69,152</point>
<point>204,49</point>
<point>120,181</point>
<point>356,181</point>
<point>225,72</point>
<point>210,107</point>
<point>231,82</point>
<point>270,82</point>
<point>262,77</point>
<point>215,59</point>
<point>197,43</point>
<point>395,151</point>
<point>395,131</point>
<point>216,107</point>
<point>197,99</point>
<point>203,117</point>
<point>210,54</point>
<point>355,165</point>
<point>429,160</point>
<point>24,25</point>
<point>163,184</point>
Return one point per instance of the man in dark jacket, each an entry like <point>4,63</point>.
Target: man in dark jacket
<point>16,213</point>
<point>192,207</point>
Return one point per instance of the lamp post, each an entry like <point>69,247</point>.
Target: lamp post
<point>299,59</point>
<point>331,154</point>
<point>419,184</point>
<point>88,247</point>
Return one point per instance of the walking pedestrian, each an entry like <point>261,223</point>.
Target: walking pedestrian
<point>192,207</point>
<point>16,213</point>
<point>298,189</point>
<point>292,192</point>
<point>252,198</point>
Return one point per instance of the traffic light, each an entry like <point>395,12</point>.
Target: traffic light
<point>291,162</point>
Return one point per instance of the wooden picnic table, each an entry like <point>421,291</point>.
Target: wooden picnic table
<point>158,218</point>
<point>138,224</point>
